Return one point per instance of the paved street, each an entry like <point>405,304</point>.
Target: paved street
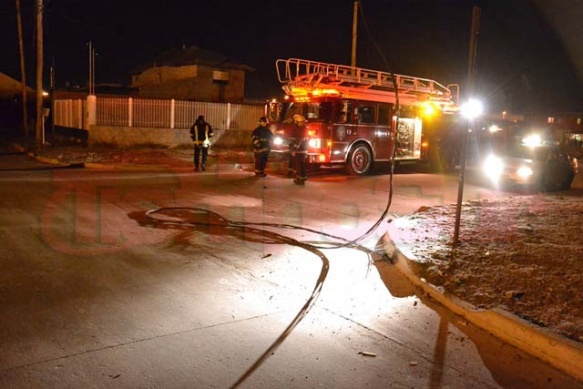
<point>97,292</point>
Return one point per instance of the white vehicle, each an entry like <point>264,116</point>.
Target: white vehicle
<point>542,165</point>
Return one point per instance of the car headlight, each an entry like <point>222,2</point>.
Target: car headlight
<point>278,141</point>
<point>315,143</point>
<point>493,167</point>
<point>524,172</point>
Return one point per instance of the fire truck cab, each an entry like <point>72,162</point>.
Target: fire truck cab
<point>350,113</point>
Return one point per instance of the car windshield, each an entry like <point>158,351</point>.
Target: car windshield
<point>518,150</point>
<point>314,112</point>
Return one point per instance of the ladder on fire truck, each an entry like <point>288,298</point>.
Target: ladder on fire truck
<point>300,76</point>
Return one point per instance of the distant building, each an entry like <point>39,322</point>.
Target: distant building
<point>191,73</point>
<point>561,123</point>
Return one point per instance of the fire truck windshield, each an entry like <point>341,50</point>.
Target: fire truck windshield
<point>312,111</point>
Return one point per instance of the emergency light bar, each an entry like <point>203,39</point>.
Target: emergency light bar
<point>305,92</point>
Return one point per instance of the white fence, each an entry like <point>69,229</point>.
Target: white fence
<point>70,113</point>
<point>149,113</point>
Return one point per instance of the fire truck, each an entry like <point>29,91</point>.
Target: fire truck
<point>351,115</point>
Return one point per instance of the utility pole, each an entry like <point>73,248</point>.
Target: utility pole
<point>91,81</point>
<point>39,75</point>
<point>354,33</point>
<point>465,140</point>
<point>52,82</point>
<point>22,69</point>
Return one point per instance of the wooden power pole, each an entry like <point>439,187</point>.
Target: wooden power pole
<point>39,75</point>
<point>22,69</point>
<point>470,87</point>
<point>354,33</point>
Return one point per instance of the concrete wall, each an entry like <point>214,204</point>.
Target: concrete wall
<point>166,137</point>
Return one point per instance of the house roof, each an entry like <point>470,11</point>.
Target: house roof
<point>192,55</point>
<point>9,87</point>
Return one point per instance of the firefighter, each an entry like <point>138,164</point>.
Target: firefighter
<point>201,133</point>
<point>291,171</point>
<point>261,140</point>
<point>299,149</point>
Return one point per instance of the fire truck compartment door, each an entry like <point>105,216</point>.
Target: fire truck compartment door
<point>408,141</point>
<point>382,142</point>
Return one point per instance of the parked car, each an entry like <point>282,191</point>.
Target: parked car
<point>533,163</point>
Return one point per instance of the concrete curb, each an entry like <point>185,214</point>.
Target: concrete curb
<point>50,161</point>
<point>106,166</point>
<point>561,353</point>
<point>88,165</point>
<point>54,163</point>
<point>231,167</point>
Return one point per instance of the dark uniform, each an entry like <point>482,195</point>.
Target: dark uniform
<point>261,140</point>
<point>201,132</point>
<point>299,149</point>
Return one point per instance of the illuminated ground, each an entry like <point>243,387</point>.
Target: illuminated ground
<point>522,254</point>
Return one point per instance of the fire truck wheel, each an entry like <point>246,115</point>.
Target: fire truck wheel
<point>565,185</point>
<point>359,160</point>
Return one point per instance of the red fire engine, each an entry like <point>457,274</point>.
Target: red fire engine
<point>350,113</point>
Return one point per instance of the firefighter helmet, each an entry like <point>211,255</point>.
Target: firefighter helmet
<point>299,119</point>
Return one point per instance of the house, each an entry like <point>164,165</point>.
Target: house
<point>191,73</point>
<point>11,88</point>
<point>11,101</point>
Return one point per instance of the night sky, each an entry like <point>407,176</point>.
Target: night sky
<point>521,63</point>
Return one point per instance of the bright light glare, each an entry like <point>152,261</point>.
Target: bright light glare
<point>524,172</point>
<point>493,167</point>
<point>278,141</point>
<point>533,140</point>
<point>428,109</point>
<point>494,128</point>
<point>315,143</point>
<point>472,109</point>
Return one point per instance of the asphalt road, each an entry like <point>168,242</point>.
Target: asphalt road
<point>96,290</point>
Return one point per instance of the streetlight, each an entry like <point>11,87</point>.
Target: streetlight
<point>472,109</point>
<point>91,79</point>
